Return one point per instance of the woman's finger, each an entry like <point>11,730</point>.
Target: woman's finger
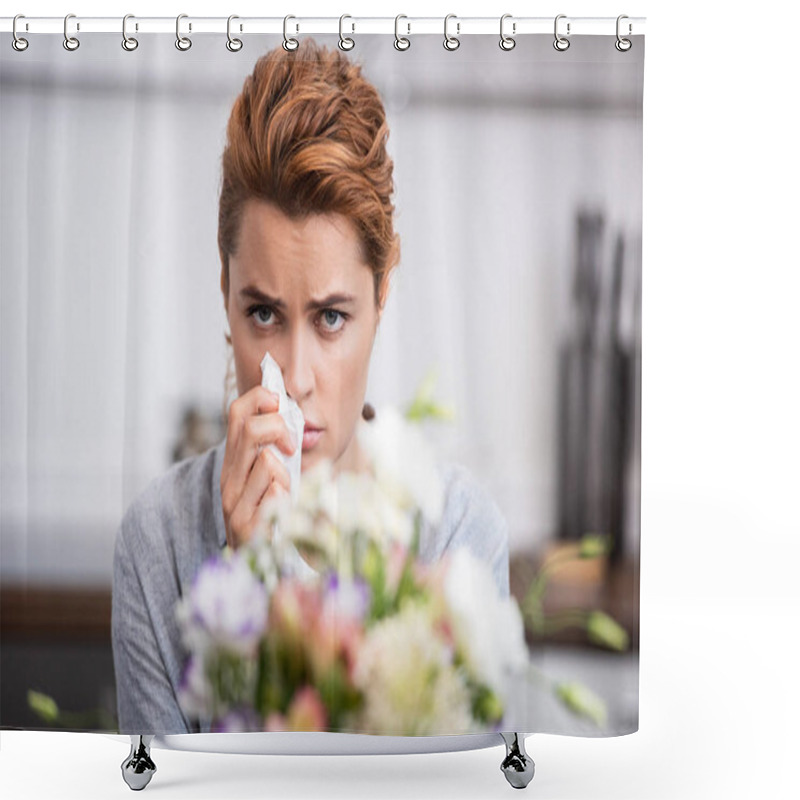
<point>257,432</point>
<point>257,400</point>
<point>267,468</point>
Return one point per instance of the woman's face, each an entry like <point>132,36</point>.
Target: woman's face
<point>301,290</point>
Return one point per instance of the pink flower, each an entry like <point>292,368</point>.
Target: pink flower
<point>395,560</point>
<point>306,711</point>
<point>293,607</point>
<point>275,721</point>
<point>333,638</point>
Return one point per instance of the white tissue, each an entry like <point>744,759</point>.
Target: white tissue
<point>272,379</point>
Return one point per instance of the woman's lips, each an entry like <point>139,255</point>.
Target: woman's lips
<point>310,437</point>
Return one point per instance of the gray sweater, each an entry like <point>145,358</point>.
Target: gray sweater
<point>176,523</point>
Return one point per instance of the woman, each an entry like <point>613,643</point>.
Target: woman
<point>307,246</point>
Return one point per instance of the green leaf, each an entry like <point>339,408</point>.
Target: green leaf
<point>423,406</point>
<point>43,705</point>
<point>582,701</point>
<point>594,544</point>
<point>374,572</point>
<point>606,631</point>
<point>486,705</point>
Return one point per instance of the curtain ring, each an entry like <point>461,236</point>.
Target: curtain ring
<point>623,45</point>
<point>345,42</point>
<point>561,43</point>
<point>400,42</point>
<point>182,42</point>
<point>507,42</point>
<point>18,43</point>
<point>234,45</point>
<point>129,43</point>
<point>70,42</point>
<point>286,40</point>
<point>451,42</point>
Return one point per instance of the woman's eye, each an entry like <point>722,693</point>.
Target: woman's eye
<point>330,315</point>
<point>332,319</point>
<point>258,312</point>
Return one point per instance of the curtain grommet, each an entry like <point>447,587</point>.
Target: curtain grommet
<point>70,43</point>
<point>234,45</point>
<point>561,43</point>
<point>401,42</point>
<point>451,42</point>
<point>622,44</point>
<point>289,43</point>
<point>345,42</point>
<point>129,43</point>
<point>18,42</point>
<point>183,43</point>
<point>507,42</point>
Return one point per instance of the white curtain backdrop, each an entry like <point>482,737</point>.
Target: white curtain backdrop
<point>112,316</point>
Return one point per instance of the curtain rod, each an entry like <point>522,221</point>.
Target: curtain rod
<point>406,26</point>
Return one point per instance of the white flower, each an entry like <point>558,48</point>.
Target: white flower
<point>410,685</point>
<point>488,628</point>
<point>403,461</point>
<point>330,510</point>
<point>268,567</point>
<point>356,505</point>
<point>226,607</point>
<point>363,505</point>
<point>195,694</point>
<point>287,521</point>
<point>396,524</point>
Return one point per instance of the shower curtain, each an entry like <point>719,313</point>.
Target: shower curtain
<point>481,573</point>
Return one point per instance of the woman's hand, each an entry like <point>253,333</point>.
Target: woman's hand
<point>249,476</point>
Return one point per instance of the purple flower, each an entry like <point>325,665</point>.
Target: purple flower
<point>349,598</point>
<point>194,692</point>
<point>226,607</point>
<point>237,720</point>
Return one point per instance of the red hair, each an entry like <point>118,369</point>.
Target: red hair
<point>308,133</point>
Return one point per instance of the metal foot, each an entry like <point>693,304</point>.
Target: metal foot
<point>517,766</point>
<point>138,767</point>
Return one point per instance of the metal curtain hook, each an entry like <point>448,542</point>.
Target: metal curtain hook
<point>561,43</point>
<point>400,42</point>
<point>18,43</point>
<point>507,42</point>
<point>70,42</point>
<point>345,42</point>
<point>451,42</point>
<point>289,43</point>
<point>128,42</point>
<point>182,42</point>
<point>234,45</point>
<point>623,45</point>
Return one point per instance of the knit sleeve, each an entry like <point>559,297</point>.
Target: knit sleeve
<point>146,697</point>
<point>471,518</point>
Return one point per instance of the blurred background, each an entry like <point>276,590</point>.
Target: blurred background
<point>518,193</point>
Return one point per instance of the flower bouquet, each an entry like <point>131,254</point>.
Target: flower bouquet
<point>328,620</point>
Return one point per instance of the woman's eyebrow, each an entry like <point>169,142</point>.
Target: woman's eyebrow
<point>261,297</point>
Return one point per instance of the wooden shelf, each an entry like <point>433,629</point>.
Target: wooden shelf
<point>586,583</point>
<point>46,613</point>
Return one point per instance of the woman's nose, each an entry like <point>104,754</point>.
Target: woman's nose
<point>297,373</point>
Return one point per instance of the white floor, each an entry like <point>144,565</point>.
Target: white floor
<point>720,703</point>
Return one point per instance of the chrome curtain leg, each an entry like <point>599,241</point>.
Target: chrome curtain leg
<point>138,767</point>
<point>517,766</point>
